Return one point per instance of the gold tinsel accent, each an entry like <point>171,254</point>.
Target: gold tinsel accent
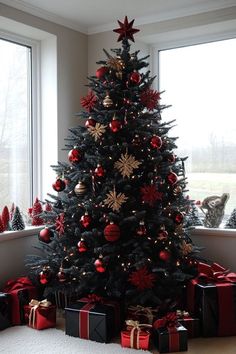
<point>126,164</point>
<point>116,64</point>
<point>186,248</point>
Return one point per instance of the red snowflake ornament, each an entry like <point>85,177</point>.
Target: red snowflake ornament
<point>60,224</point>
<point>89,101</point>
<point>126,30</point>
<point>142,279</point>
<point>150,194</point>
<point>149,98</point>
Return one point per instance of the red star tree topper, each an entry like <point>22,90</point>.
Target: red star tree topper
<point>126,30</point>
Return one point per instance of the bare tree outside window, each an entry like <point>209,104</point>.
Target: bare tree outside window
<point>15,112</point>
<point>199,82</point>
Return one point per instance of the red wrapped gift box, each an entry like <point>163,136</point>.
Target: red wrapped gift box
<point>136,336</point>
<point>20,291</point>
<point>40,314</point>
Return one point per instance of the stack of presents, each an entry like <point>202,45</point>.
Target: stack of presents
<point>209,311</point>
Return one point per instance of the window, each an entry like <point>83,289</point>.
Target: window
<point>16,124</point>
<point>199,83</point>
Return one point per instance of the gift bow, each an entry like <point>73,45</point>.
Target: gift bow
<point>215,273</point>
<point>182,314</point>
<point>148,311</point>
<point>135,326</point>
<point>169,321</point>
<point>19,283</point>
<point>34,305</point>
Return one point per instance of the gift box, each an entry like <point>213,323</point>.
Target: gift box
<point>141,314</point>
<point>40,314</point>
<point>191,324</point>
<point>4,311</point>
<point>212,297</point>
<point>21,291</point>
<point>169,336</point>
<point>93,318</point>
<point>136,336</point>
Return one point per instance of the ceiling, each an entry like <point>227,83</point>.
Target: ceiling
<point>93,16</point>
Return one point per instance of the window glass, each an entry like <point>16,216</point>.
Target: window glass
<point>15,125</point>
<point>199,83</point>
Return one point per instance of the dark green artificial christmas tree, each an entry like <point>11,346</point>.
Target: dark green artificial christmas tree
<point>231,222</point>
<point>118,218</point>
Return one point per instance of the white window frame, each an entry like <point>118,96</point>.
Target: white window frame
<point>35,121</point>
<point>184,38</point>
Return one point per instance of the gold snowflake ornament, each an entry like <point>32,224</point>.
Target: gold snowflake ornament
<point>126,165</point>
<point>186,248</point>
<point>115,201</point>
<point>97,131</point>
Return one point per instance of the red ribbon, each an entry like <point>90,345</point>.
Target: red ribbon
<point>169,321</point>
<point>215,273</point>
<point>173,339</point>
<point>19,283</point>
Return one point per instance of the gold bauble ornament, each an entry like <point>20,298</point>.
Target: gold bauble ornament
<point>107,102</point>
<point>80,189</point>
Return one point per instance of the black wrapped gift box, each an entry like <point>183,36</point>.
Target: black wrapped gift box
<point>5,314</point>
<point>93,321</point>
<point>171,340</point>
<point>215,305</point>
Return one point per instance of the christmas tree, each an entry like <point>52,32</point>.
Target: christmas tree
<point>231,222</point>
<point>118,217</point>
<point>17,220</point>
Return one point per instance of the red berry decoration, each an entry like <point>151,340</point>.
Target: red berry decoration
<point>164,255</point>
<point>59,185</point>
<point>44,276</point>
<point>112,232</point>
<point>45,235</point>
<point>172,178</point>
<point>141,230</point>
<point>99,171</point>
<point>101,72</point>
<point>115,125</point>
<point>82,247</point>
<point>178,218</point>
<point>156,142</point>
<point>100,268</point>
<point>135,77</point>
<point>61,276</point>
<point>85,220</point>
<point>90,122</point>
<point>74,156</point>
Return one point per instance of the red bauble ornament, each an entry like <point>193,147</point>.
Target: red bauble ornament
<point>45,235</point>
<point>99,265</point>
<point>59,185</point>
<point>74,156</point>
<point>82,247</point>
<point>112,232</point>
<point>99,171</point>
<point>141,230</point>
<point>135,77</point>
<point>115,125</point>
<point>172,178</point>
<point>164,255</point>
<point>90,122</point>
<point>178,218</point>
<point>156,142</point>
<point>44,277</point>
<point>61,276</point>
<point>85,220</point>
<point>101,72</point>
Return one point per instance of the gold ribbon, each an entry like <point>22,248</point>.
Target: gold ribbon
<point>139,310</point>
<point>182,314</point>
<point>135,325</point>
<point>34,306</point>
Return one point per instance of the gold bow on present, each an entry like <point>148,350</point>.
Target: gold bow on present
<point>133,326</point>
<point>141,310</point>
<point>182,314</point>
<point>34,305</point>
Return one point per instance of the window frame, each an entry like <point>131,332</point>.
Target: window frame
<point>35,124</point>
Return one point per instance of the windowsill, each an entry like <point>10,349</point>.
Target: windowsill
<point>11,235</point>
<point>204,231</point>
